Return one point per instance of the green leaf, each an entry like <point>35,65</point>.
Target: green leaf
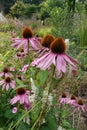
<point>43,76</point>
<point>23,126</point>
<point>35,113</point>
<point>44,127</point>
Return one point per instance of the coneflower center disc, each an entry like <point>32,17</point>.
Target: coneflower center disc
<point>8,80</point>
<point>27,32</point>
<point>80,102</point>
<point>20,91</point>
<point>73,97</point>
<point>5,70</point>
<point>46,41</point>
<point>58,46</point>
<point>63,95</point>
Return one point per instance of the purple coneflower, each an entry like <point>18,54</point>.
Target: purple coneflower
<point>25,40</point>
<point>80,105</point>
<point>64,99</point>
<point>7,83</point>
<point>45,44</point>
<point>23,97</point>
<point>56,56</point>
<point>6,72</point>
<point>72,100</point>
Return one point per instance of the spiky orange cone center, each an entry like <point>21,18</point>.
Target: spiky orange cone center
<point>27,32</point>
<point>80,102</point>
<point>73,97</point>
<point>20,91</point>
<point>58,46</point>
<point>46,41</point>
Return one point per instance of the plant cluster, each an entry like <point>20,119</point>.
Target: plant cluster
<point>30,74</point>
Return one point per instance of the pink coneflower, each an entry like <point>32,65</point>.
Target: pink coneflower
<point>56,56</point>
<point>7,83</point>
<point>6,72</point>
<point>23,97</point>
<point>81,106</point>
<point>64,99</point>
<point>25,40</point>
<point>72,100</point>
<point>25,67</point>
<point>45,44</point>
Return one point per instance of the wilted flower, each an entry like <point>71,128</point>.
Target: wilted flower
<point>56,56</point>
<point>26,40</point>
<point>23,97</point>
<point>25,67</point>
<point>21,54</point>
<point>7,83</point>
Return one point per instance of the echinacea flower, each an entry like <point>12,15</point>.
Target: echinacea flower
<point>45,44</point>
<point>26,40</point>
<point>22,97</point>
<point>72,100</point>
<point>56,56</point>
<point>6,72</point>
<point>7,83</point>
<point>80,105</point>
<point>64,99</point>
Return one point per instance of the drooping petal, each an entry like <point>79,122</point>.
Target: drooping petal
<point>7,86</point>
<point>46,62</point>
<point>69,60</point>
<point>73,60</point>
<point>59,64</point>
<point>12,84</point>
<point>26,46</point>
<point>22,99</point>
<point>14,100</point>
<point>3,87</point>
<point>1,74</point>
<point>1,82</point>
<point>63,63</point>
<point>35,43</point>
<point>39,60</point>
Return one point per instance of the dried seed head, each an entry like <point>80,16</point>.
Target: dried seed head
<point>46,41</point>
<point>73,97</point>
<point>63,95</point>
<point>20,91</point>
<point>8,80</point>
<point>27,32</point>
<point>58,46</point>
<point>80,102</point>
